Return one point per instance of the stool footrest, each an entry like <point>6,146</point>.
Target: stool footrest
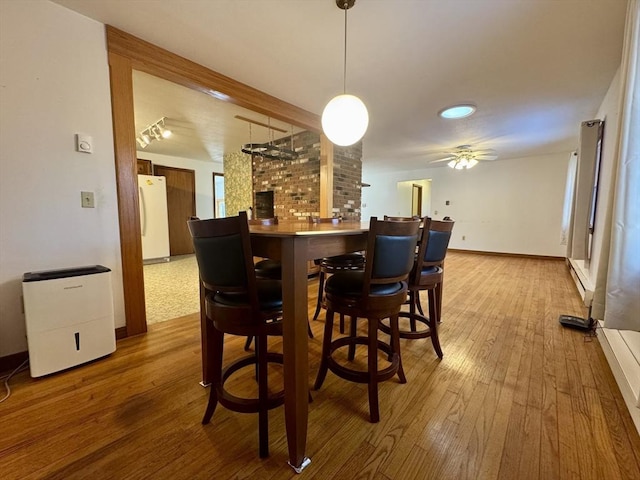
<point>360,376</point>
<point>242,404</point>
<point>412,335</point>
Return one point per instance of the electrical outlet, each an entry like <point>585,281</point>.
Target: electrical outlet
<point>87,200</point>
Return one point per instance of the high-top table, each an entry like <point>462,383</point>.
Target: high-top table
<point>294,243</point>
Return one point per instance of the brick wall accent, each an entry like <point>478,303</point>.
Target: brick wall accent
<point>347,176</point>
<point>296,183</point>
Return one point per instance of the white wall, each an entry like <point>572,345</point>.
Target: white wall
<point>404,198</point>
<point>54,81</point>
<point>506,206</point>
<point>204,177</point>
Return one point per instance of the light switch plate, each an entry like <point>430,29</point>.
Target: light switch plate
<point>84,143</point>
<point>87,200</point>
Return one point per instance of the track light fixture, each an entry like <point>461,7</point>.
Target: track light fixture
<point>155,131</point>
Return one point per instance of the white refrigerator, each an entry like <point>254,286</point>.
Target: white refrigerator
<point>154,218</point>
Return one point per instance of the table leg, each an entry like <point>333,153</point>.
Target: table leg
<point>295,348</point>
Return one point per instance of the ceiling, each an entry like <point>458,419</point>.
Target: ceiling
<point>203,127</point>
<point>534,68</point>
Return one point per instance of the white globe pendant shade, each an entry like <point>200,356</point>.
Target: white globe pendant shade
<point>345,120</point>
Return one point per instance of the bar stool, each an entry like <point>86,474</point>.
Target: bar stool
<point>375,293</point>
<point>427,274</point>
<point>237,303</point>
<point>268,268</point>
<point>335,264</point>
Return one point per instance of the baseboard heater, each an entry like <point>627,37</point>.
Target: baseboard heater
<point>582,284</point>
<point>69,317</point>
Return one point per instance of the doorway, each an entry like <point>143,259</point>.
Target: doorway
<point>181,205</point>
<point>127,53</point>
<point>416,200</point>
<point>413,198</point>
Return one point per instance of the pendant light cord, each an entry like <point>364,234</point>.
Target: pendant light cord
<point>344,79</point>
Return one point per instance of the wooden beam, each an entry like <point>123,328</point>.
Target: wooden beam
<point>128,53</point>
<point>149,58</point>
<point>326,177</point>
<point>120,72</point>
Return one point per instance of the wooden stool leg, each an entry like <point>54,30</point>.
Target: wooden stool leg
<point>309,332</point>
<point>326,346</point>
<point>247,344</point>
<point>320,294</point>
<point>418,303</point>
<point>414,300</point>
<point>215,357</point>
<point>351,355</point>
<point>395,346</point>
<point>372,361</point>
<point>433,322</point>
<point>263,396</point>
<point>439,289</point>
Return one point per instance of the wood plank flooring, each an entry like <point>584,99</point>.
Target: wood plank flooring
<point>516,396</point>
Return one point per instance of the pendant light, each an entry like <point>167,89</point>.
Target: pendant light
<point>345,118</point>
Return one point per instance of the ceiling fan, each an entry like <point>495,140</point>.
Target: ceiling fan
<point>463,156</point>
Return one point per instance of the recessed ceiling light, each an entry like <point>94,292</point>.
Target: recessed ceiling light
<point>457,111</point>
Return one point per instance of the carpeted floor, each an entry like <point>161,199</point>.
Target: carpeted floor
<point>171,288</point>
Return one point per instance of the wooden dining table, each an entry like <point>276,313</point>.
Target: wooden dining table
<point>294,244</point>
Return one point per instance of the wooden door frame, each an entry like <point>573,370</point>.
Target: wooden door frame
<point>157,170</point>
<point>127,53</point>
<point>417,211</point>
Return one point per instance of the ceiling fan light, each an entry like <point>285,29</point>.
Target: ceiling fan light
<point>457,111</point>
<point>345,120</point>
<point>472,163</point>
<point>459,166</point>
<point>452,163</point>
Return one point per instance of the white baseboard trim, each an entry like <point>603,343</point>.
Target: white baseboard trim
<point>625,365</point>
<point>580,276</point>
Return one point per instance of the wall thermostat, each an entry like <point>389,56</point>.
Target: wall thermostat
<point>84,143</point>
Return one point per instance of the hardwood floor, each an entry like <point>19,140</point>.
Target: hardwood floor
<point>516,396</point>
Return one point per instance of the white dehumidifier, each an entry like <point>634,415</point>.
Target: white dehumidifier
<point>69,317</point>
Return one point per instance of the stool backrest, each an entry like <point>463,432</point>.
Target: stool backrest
<point>390,252</point>
<point>223,252</point>
<point>401,219</point>
<point>437,242</point>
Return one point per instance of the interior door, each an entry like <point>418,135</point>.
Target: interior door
<point>416,200</point>
<point>181,205</point>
